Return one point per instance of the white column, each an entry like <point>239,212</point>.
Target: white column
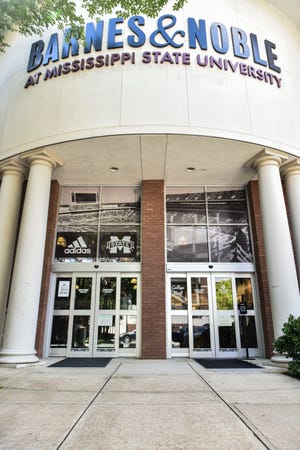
<point>10,200</point>
<point>20,327</point>
<point>282,275</point>
<point>291,173</point>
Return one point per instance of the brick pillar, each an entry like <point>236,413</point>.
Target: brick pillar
<point>50,239</point>
<point>153,270</point>
<point>261,267</point>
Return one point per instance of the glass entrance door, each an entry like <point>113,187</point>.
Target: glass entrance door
<point>206,319</point>
<point>95,315</point>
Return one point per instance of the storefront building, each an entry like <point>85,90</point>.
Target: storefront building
<point>150,185</point>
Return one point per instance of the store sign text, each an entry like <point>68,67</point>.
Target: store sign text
<point>167,40</point>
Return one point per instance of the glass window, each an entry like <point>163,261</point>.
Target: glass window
<point>227,337</point>
<point>187,244</point>
<point>62,293</point>
<point>230,244</point>
<point>201,333</point>
<point>244,292</point>
<point>113,216</point>
<point>227,212</point>
<point>127,331</point>
<point>59,335</point>
<point>106,332</point>
<point>224,228</point>
<point>184,213</point>
<point>93,222</point>
<point>128,293</point>
<point>199,293</point>
<point>248,331</point>
<point>224,294</point>
<point>180,332</point>
<point>186,206</point>
<point>83,291</point>
<point>108,292</point>
<point>80,335</point>
<point>179,293</point>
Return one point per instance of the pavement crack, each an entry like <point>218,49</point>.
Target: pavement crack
<point>88,407</point>
<point>237,413</point>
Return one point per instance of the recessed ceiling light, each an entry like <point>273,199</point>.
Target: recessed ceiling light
<point>190,169</point>
<point>114,169</point>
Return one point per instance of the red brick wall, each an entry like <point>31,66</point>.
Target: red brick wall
<point>50,239</point>
<point>153,270</point>
<point>261,266</point>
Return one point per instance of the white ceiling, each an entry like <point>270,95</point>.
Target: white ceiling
<point>146,157</point>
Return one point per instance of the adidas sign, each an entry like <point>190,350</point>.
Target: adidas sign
<point>78,247</point>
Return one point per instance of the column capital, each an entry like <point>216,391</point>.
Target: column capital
<point>266,158</point>
<point>42,156</point>
<point>291,168</point>
<point>13,166</point>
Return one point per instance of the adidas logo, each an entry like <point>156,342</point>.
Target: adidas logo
<point>78,247</point>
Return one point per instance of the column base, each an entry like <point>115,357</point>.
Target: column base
<point>281,359</point>
<point>12,357</point>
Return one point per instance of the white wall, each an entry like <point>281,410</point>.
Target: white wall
<point>159,98</point>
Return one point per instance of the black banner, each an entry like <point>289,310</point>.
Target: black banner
<point>76,245</point>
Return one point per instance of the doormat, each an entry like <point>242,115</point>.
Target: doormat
<point>82,362</point>
<point>226,363</point>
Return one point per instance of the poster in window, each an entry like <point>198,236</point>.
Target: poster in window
<point>224,294</point>
<point>76,245</point>
<point>118,245</point>
<point>63,288</point>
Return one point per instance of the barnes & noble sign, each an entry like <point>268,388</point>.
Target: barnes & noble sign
<point>167,42</point>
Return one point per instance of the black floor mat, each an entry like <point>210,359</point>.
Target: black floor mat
<point>82,362</point>
<point>226,363</point>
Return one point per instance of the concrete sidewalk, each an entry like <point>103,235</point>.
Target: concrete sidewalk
<point>143,404</point>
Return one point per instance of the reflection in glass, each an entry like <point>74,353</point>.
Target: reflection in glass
<point>215,194</point>
<point>230,244</point>
<point>80,335</point>
<point>62,293</point>
<point>248,331</point>
<point>244,292</point>
<point>187,243</point>
<point>224,295</point>
<point>83,292</point>
<point>186,213</point>
<point>199,293</point>
<point>179,293</point>
<point>108,293</point>
<point>180,332</point>
<point>79,219</point>
<point>59,335</point>
<point>106,332</point>
<point>227,212</point>
<point>128,215</point>
<point>227,338</point>
<point>201,333</point>
<point>83,209</point>
<point>127,331</point>
<point>128,293</point>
